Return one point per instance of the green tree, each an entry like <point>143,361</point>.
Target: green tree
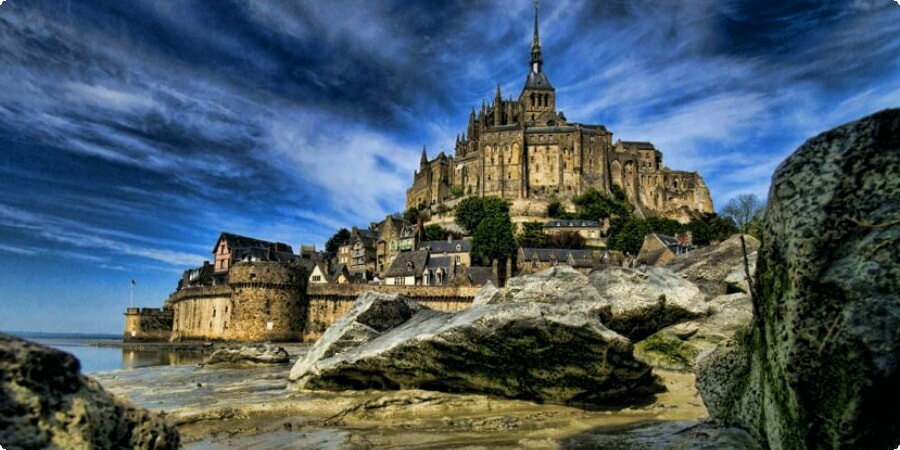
<point>532,235</point>
<point>469,212</point>
<point>472,210</point>
<point>711,227</point>
<point>595,205</point>
<point>435,232</point>
<point>555,209</point>
<point>493,239</point>
<point>566,239</point>
<point>339,238</point>
<point>411,215</point>
<point>630,237</point>
<point>665,226</point>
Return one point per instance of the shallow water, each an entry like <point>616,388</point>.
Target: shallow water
<point>95,359</point>
<point>255,407</point>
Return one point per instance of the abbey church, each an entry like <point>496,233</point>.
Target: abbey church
<point>526,151</point>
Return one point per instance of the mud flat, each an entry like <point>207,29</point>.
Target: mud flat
<point>243,407</point>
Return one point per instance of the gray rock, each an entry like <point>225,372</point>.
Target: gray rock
<point>643,303</point>
<point>45,402</point>
<point>710,267</point>
<point>488,294</point>
<point>682,346</point>
<point>666,435</point>
<point>736,280</point>
<point>255,355</point>
<point>556,284</point>
<point>545,351</point>
<point>371,315</point>
<point>818,366</point>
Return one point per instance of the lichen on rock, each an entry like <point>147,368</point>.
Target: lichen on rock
<point>45,402</point>
<point>820,364</point>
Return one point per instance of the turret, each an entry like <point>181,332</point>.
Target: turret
<point>536,57</point>
<point>498,103</point>
<point>538,96</point>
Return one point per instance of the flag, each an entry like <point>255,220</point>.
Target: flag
<point>133,283</point>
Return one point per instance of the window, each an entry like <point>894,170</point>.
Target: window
<point>409,266</point>
<point>458,248</point>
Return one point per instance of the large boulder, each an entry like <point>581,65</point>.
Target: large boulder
<point>249,355</point>
<point>683,345</point>
<point>710,267</point>
<point>818,366</point>
<point>45,402</point>
<point>644,302</point>
<point>553,350</point>
<point>556,284</point>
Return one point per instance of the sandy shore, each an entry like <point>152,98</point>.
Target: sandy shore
<point>243,407</point>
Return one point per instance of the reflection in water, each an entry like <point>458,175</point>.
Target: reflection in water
<point>103,359</point>
<point>132,359</point>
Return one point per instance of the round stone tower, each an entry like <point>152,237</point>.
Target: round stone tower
<point>268,301</point>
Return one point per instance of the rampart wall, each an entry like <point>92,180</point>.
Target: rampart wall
<point>269,301</point>
<point>328,302</point>
<point>147,324</point>
<point>264,301</point>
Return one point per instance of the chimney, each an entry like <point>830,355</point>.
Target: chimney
<point>494,270</point>
<point>449,238</point>
<point>508,270</point>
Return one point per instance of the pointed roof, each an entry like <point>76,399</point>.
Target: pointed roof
<point>536,79</point>
<point>536,57</point>
<point>424,159</point>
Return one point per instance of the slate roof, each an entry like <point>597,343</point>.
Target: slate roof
<point>571,223</point>
<point>435,262</point>
<point>538,81</point>
<point>643,145</point>
<point>238,241</point>
<point>582,258</point>
<point>669,241</point>
<point>480,276</point>
<point>418,258</point>
<point>447,247</point>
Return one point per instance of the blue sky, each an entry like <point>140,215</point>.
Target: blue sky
<point>133,132</point>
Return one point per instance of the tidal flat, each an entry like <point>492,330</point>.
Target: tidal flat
<point>241,407</point>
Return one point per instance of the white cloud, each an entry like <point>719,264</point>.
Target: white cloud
<point>107,97</point>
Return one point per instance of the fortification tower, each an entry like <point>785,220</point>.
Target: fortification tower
<point>268,301</point>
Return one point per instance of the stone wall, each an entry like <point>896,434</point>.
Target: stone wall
<point>200,313</point>
<point>264,301</point>
<point>327,303</point>
<point>147,324</point>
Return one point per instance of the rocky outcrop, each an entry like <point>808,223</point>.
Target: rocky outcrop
<point>719,268</point>
<point>644,302</point>
<point>45,402</point>
<point>256,355</point>
<point>682,346</point>
<point>552,350</point>
<point>819,365</point>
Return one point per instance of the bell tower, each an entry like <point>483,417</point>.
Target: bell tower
<point>538,98</point>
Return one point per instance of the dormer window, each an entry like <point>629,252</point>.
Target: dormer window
<point>409,266</point>
<point>458,247</point>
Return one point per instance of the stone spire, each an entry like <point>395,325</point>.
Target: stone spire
<point>536,59</point>
<point>424,161</point>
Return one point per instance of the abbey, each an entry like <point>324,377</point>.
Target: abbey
<point>526,151</point>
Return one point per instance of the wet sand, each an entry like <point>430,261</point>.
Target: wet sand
<point>232,407</point>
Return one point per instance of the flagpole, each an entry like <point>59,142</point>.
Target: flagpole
<point>131,295</point>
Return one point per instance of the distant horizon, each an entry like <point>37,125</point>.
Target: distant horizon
<point>134,132</point>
